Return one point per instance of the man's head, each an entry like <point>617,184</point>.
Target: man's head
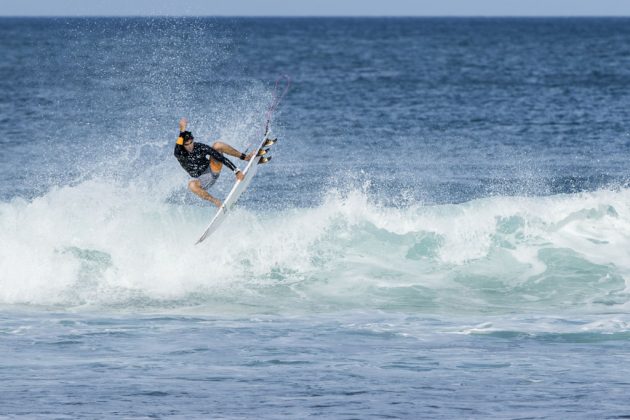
<point>186,139</point>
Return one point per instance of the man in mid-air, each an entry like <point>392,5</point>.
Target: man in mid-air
<point>204,163</point>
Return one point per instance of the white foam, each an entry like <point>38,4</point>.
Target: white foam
<point>102,242</point>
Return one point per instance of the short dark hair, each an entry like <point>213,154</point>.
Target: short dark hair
<point>186,135</point>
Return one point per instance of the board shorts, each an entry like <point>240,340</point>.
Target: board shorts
<point>208,178</point>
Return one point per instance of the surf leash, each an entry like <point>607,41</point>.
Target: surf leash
<point>278,94</point>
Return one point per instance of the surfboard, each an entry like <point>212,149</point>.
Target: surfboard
<point>261,155</point>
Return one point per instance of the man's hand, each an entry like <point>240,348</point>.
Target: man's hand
<point>239,175</point>
<point>182,124</point>
<point>248,157</point>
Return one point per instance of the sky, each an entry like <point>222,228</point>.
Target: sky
<point>315,7</point>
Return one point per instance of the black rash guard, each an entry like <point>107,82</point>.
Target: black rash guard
<point>197,162</point>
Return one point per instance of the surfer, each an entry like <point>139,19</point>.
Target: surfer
<point>204,163</point>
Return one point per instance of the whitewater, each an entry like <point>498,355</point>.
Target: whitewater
<point>71,249</point>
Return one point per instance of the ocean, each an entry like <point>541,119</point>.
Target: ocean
<point>443,231</point>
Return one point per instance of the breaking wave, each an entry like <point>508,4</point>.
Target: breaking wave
<point>102,244</point>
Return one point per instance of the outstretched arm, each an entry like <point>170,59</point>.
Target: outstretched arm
<point>180,140</point>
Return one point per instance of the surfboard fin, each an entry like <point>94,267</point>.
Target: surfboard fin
<point>264,159</point>
<point>269,142</point>
<point>262,152</point>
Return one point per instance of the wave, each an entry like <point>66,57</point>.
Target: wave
<point>107,245</point>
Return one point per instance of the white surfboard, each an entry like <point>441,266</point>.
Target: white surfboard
<point>236,191</point>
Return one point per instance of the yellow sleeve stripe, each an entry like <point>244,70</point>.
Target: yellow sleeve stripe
<point>180,141</point>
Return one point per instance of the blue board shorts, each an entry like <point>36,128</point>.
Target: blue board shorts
<point>208,178</point>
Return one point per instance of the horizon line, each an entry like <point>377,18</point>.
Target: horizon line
<point>322,16</point>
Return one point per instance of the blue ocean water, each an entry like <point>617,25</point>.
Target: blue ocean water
<point>443,231</point>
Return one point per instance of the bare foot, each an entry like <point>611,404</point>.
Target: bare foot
<point>240,176</point>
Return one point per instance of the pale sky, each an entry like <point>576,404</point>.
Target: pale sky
<point>315,7</point>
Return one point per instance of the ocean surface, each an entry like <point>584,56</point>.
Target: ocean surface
<point>443,231</point>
